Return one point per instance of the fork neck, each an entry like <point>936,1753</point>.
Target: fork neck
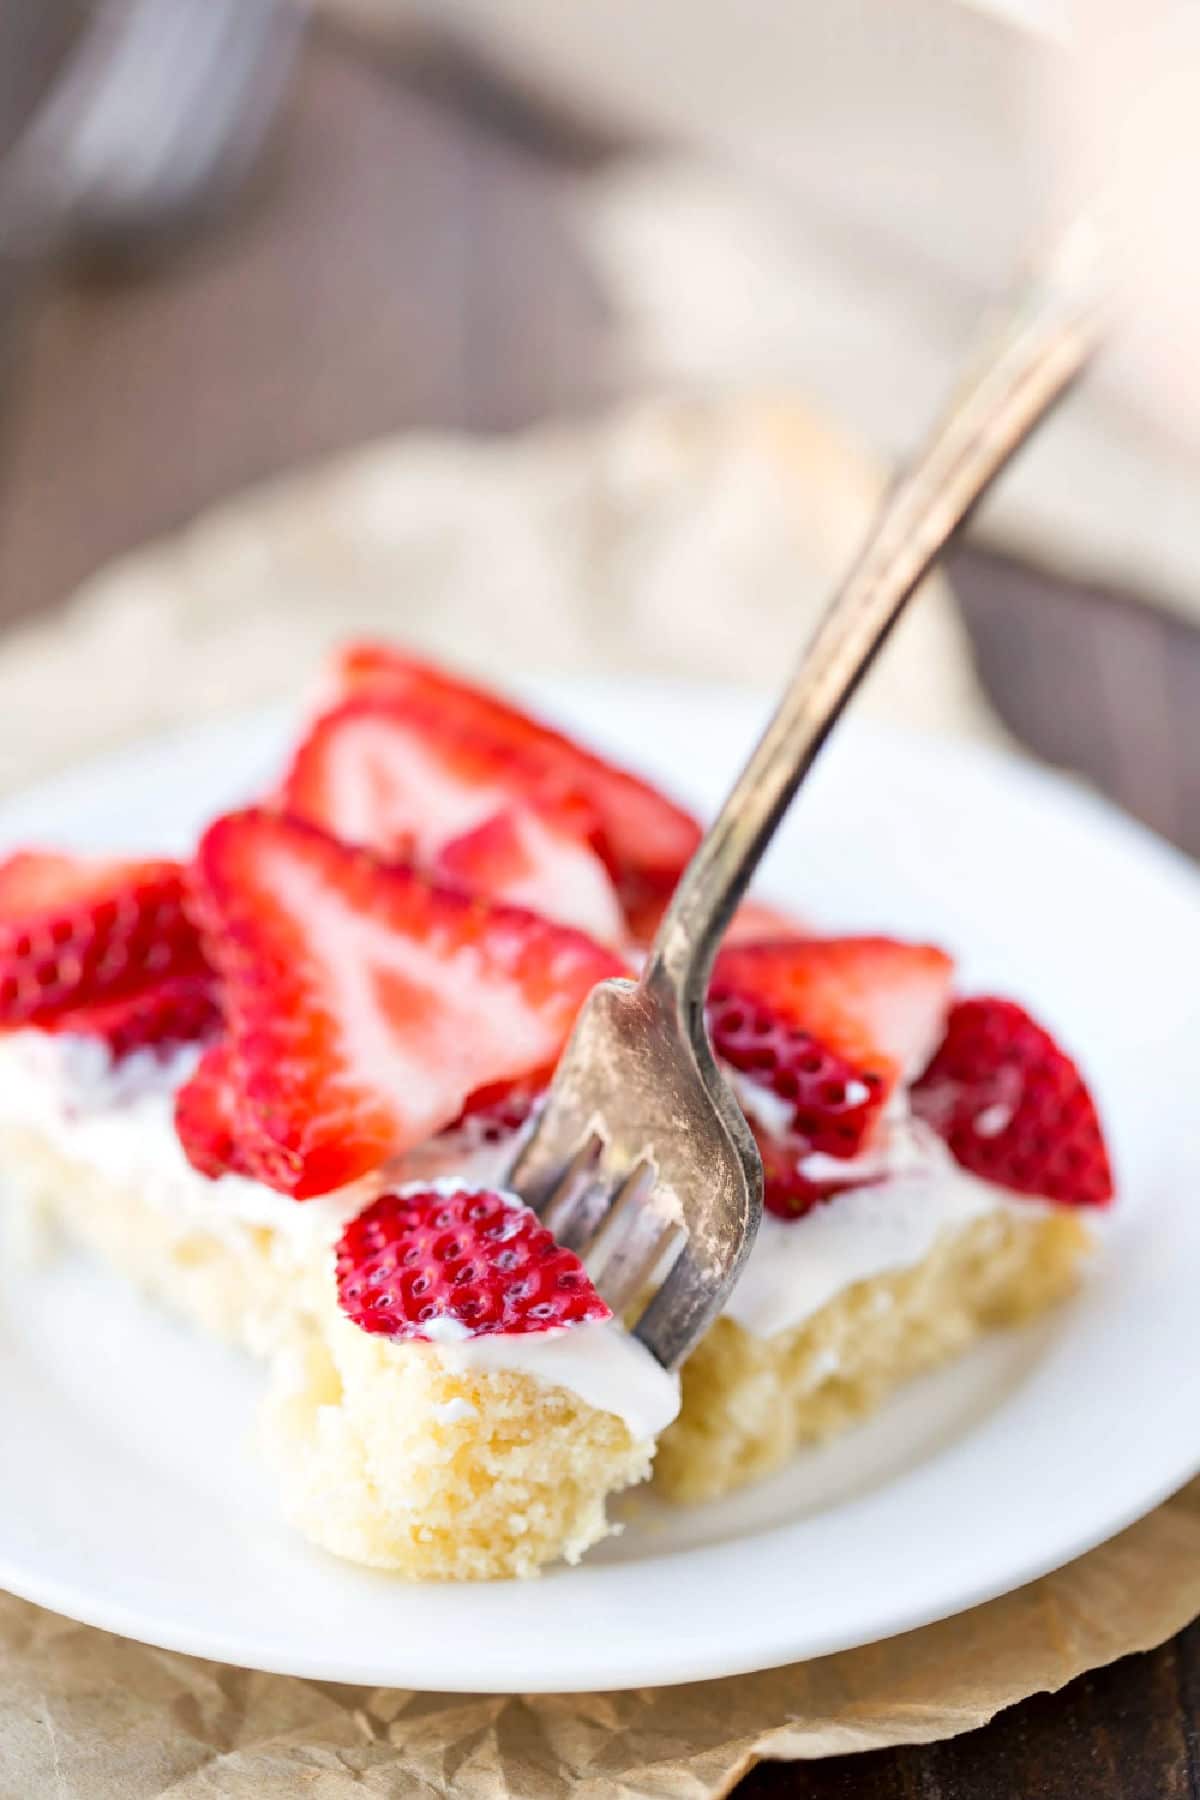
<point>1048,339</point>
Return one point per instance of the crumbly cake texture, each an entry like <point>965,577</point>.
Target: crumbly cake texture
<point>392,1459</point>
<point>384,1456</point>
<point>243,1284</point>
<point>387,1458</point>
<point>750,1402</point>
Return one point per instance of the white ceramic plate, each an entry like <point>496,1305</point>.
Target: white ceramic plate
<point>130,1497</point>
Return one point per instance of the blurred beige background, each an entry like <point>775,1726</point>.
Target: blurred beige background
<point>487,227</point>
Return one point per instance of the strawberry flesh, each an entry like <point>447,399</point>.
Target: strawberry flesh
<point>366,1004</point>
<point>827,1027</point>
<point>497,1112</point>
<point>400,778</point>
<point>646,839</point>
<point>788,1192</point>
<point>469,1258</point>
<point>1013,1107</point>
<point>181,1010</point>
<point>76,934</point>
<point>520,856</point>
<point>833,1101</point>
<point>206,1115</point>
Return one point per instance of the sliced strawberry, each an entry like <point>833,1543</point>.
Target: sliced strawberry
<point>484,1137</point>
<point>647,839</point>
<point>525,858</point>
<point>501,1109</point>
<point>434,1265</point>
<point>389,774</point>
<point>206,1115</point>
<point>831,1101</point>
<point>181,1010</point>
<point>76,932</point>
<point>402,779</point>
<point>788,1190</point>
<point>1013,1107</point>
<point>824,1029</point>
<point>365,1003</point>
<point>875,1002</point>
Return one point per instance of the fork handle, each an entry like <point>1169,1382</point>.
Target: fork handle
<point>1046,340</point>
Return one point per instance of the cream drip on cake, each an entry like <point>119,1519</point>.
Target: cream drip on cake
<point>599,1362</point>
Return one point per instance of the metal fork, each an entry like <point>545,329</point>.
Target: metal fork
<point>642,1160</point>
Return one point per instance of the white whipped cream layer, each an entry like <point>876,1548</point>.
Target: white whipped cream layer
<point>120,1120</point>
<point>915,1191</point>
<point>599,1361</point>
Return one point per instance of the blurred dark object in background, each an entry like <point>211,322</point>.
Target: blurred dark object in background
<point>146,117</point>
<point>401,265</point>
<point>124,127</point>
<point>405,259</point>
<point>1091,679</point>
<point>35,36</point>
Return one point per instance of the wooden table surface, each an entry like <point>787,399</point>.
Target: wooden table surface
<point>403,260</point>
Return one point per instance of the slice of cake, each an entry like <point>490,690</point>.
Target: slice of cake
<point>925,1167</point>
<point>469,1401</point>
<point>280,1088</point>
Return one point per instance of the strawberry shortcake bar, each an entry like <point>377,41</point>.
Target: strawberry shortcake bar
<point>280,1087</point>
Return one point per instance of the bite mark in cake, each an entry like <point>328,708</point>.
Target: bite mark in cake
<point>475,1403</point>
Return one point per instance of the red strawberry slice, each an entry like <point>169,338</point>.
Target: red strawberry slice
<point>76,932</point>
<point>647,839</point>
<point>181,1010</point>
<point>206,1115</point>
<point>433,1265</point>
<point>402,779</point>
<point>824,1028</point>
<point>1013,1107</point>
<point>788,1192</point>
<point>487,1128</point>
<point>365,1003</point>
<point>830,1101</point>
<point>523,857</point>
<point>878,1003</point>
<point>494,1114</point>
<point>502,1108</point>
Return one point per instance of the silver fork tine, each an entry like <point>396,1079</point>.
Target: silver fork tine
<point>630,1245</point>
<point>564,1211</point>
<point>639,1072</point>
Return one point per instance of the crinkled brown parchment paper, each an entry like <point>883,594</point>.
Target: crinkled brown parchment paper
<point>85,1716</point>
<point>692,537</point>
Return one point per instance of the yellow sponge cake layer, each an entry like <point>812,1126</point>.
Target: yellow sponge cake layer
<point>749,1402</point>
<point>390,1457</point>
